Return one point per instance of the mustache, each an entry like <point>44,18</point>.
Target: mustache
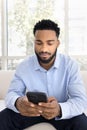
<point>40,53</point>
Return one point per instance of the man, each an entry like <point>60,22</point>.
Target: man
<point>50,72</point>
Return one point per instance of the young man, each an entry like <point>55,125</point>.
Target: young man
<point>50,72</point>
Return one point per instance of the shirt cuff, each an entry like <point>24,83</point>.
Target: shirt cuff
<point>11,105</point>
<point>65,111</point>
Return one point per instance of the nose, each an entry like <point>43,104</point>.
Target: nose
<point>44,48</point>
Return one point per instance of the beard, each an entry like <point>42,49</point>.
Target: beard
<point>45,61</point>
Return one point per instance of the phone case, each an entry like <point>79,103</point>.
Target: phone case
<point>36,97</point>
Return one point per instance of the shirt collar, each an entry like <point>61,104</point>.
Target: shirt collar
<point>36,63</point>
<point>57,61</point>
<point>55,65</point>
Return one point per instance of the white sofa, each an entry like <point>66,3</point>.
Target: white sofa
<point>5,78</point>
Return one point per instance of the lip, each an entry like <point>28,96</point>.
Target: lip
<point>44,55</point>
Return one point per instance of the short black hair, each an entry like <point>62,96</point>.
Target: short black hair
<point>47,24</point>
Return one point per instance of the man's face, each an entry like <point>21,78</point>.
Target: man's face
<point>46,44</point>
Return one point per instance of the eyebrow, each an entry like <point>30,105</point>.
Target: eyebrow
<point>46,41</point>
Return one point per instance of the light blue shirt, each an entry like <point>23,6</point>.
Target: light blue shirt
<point>62,80</point>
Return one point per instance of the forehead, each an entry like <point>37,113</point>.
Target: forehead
<point>45,34</point>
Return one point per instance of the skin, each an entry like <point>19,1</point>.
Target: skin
<point>46,43</point>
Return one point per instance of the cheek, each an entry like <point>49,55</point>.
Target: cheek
<point>37,48</point>
<point>53,49</point>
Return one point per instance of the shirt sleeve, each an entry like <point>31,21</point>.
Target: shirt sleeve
<point>14,92</point>
<point>77,99</point>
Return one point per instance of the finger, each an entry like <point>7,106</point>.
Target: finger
<point>50,99</point>
<point>47,116</point>
<point>49,112</point>
<point>41,104</point>
<point>28,102</point>
<point>48,105</point>
<point>30,111</point>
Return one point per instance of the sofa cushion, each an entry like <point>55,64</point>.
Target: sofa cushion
<point>41,126</point>
<point>2,104</point>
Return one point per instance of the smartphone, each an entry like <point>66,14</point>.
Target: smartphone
<point>36,97</point>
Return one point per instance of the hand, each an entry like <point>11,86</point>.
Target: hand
<point>51,109</point>
<point>27,108</point>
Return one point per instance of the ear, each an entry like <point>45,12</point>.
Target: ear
<point>58,43</point>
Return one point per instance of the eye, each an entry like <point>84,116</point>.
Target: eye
<point>50,43</point>
<point>38,42</point>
